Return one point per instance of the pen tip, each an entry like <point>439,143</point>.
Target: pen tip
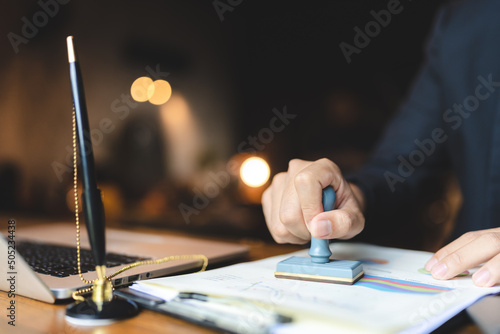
<point>71,49</point>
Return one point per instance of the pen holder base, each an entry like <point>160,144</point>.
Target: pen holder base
<point>87,313</point>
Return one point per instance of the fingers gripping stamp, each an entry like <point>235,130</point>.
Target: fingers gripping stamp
<point>318,267</point>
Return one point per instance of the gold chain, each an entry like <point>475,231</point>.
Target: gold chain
<point>77,295</point>
<point>162,260</point>
<point>77,206</point>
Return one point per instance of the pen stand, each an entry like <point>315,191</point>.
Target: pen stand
<point>101,308</point>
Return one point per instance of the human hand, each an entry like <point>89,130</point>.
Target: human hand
<point>293,207</point>
<point>468,251</point>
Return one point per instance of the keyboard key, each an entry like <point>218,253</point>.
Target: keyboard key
<point>60,261</point>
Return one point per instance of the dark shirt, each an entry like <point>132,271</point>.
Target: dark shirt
<point>450,121</point>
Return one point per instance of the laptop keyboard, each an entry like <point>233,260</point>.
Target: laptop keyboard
<point>60,261</point>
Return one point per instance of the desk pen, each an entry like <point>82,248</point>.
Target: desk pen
<point>91,196</point>
<point>102,307</point>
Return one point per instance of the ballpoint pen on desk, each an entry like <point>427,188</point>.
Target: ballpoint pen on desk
<point>101,307</point>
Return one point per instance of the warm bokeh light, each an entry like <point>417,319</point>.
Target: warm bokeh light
<point>161,92</point>
<point>142,89</point>
<point>255,172</point>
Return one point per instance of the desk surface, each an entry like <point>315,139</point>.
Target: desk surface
<point>37,317</point>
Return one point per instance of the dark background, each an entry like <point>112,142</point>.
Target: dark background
<point>231,72</point>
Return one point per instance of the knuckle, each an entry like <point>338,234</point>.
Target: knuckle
<point>490,240</point>
<point>325,161</point>
<point>308,213</point>
<point>470,236</point>
<point>279,178</point>
<point>280,235</point>
<point>442,253</point>
<point>348,219</point>
<point>278,239</point>
<point>303,178</point>
<point>288,217</point>
<point>329,164</point>
<point>455,260</point>
<point>344,223</point>
<point>295,164</point>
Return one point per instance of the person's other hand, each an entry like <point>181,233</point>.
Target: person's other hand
<point>468,251</point>
<point>293,206</point>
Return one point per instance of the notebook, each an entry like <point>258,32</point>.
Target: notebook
<point>51,281</point>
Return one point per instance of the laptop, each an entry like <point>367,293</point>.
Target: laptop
<point>34,276</point>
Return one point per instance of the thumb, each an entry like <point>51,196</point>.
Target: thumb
<point>342,223</point>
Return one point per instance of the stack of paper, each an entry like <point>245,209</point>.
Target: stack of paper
<point>395,295</point>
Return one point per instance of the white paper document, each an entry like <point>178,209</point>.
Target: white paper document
<point>395,295</point>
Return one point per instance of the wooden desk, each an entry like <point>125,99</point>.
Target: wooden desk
<point>36,317</point>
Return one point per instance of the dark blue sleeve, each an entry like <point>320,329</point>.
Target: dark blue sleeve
<point>412,152</point>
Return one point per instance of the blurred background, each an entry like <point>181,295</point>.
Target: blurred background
<point>194,105</point>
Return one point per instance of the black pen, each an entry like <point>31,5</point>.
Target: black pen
<point>91,196</point>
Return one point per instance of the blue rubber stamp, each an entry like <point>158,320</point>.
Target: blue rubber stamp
<point>318,267</point>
